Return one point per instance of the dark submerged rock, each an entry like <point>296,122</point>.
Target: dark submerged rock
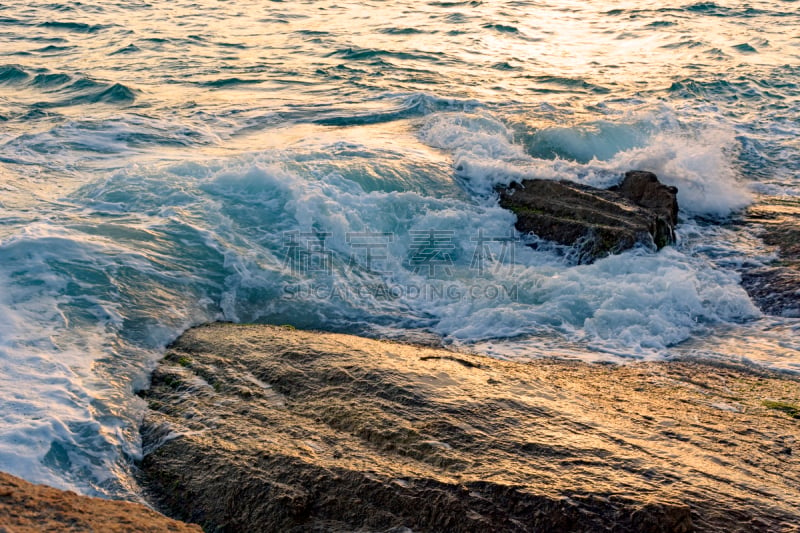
<point>776,288</point>
<point>599,222</point>
<point>262,428</point>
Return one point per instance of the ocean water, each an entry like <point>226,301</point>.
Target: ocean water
<point>331,165</point>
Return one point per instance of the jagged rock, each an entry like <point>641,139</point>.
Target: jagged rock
<point>644,189</point>
<point>263,428</point>
<point>29,508</point>
<point>641,210</point>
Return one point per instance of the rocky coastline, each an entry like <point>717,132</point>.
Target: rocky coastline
<point>642,211</point>
<point>265,428</point>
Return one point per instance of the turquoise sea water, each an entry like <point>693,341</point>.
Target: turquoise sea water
<point>331,166</point>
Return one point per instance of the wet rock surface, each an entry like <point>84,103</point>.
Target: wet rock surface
<point>776,288</point>
<point>599,222</point>
<point>644,189</point>
<point>262,428</point>
<point>29,508</point>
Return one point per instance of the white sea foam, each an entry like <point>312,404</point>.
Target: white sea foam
<point>97,289</point>
<point>66,313</point>
<point>611,303</point>
<point>40,419</point>
<point>699,162</point>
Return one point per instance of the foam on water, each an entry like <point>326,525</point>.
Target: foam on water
<point>67,411</point>
<point>158,160</point>
<point>45,413</point>
<point>248,209</point>
<point>700,162</point>
<point>129,260</point>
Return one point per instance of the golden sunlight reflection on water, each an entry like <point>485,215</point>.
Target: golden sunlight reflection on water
<point>233,53</point>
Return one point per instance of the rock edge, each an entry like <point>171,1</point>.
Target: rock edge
<point>29,508</point>
<point>598,222</point>
<point>270,429</point>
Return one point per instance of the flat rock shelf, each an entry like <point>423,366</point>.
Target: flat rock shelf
<point>266,428</point>
<point>29,508</point>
